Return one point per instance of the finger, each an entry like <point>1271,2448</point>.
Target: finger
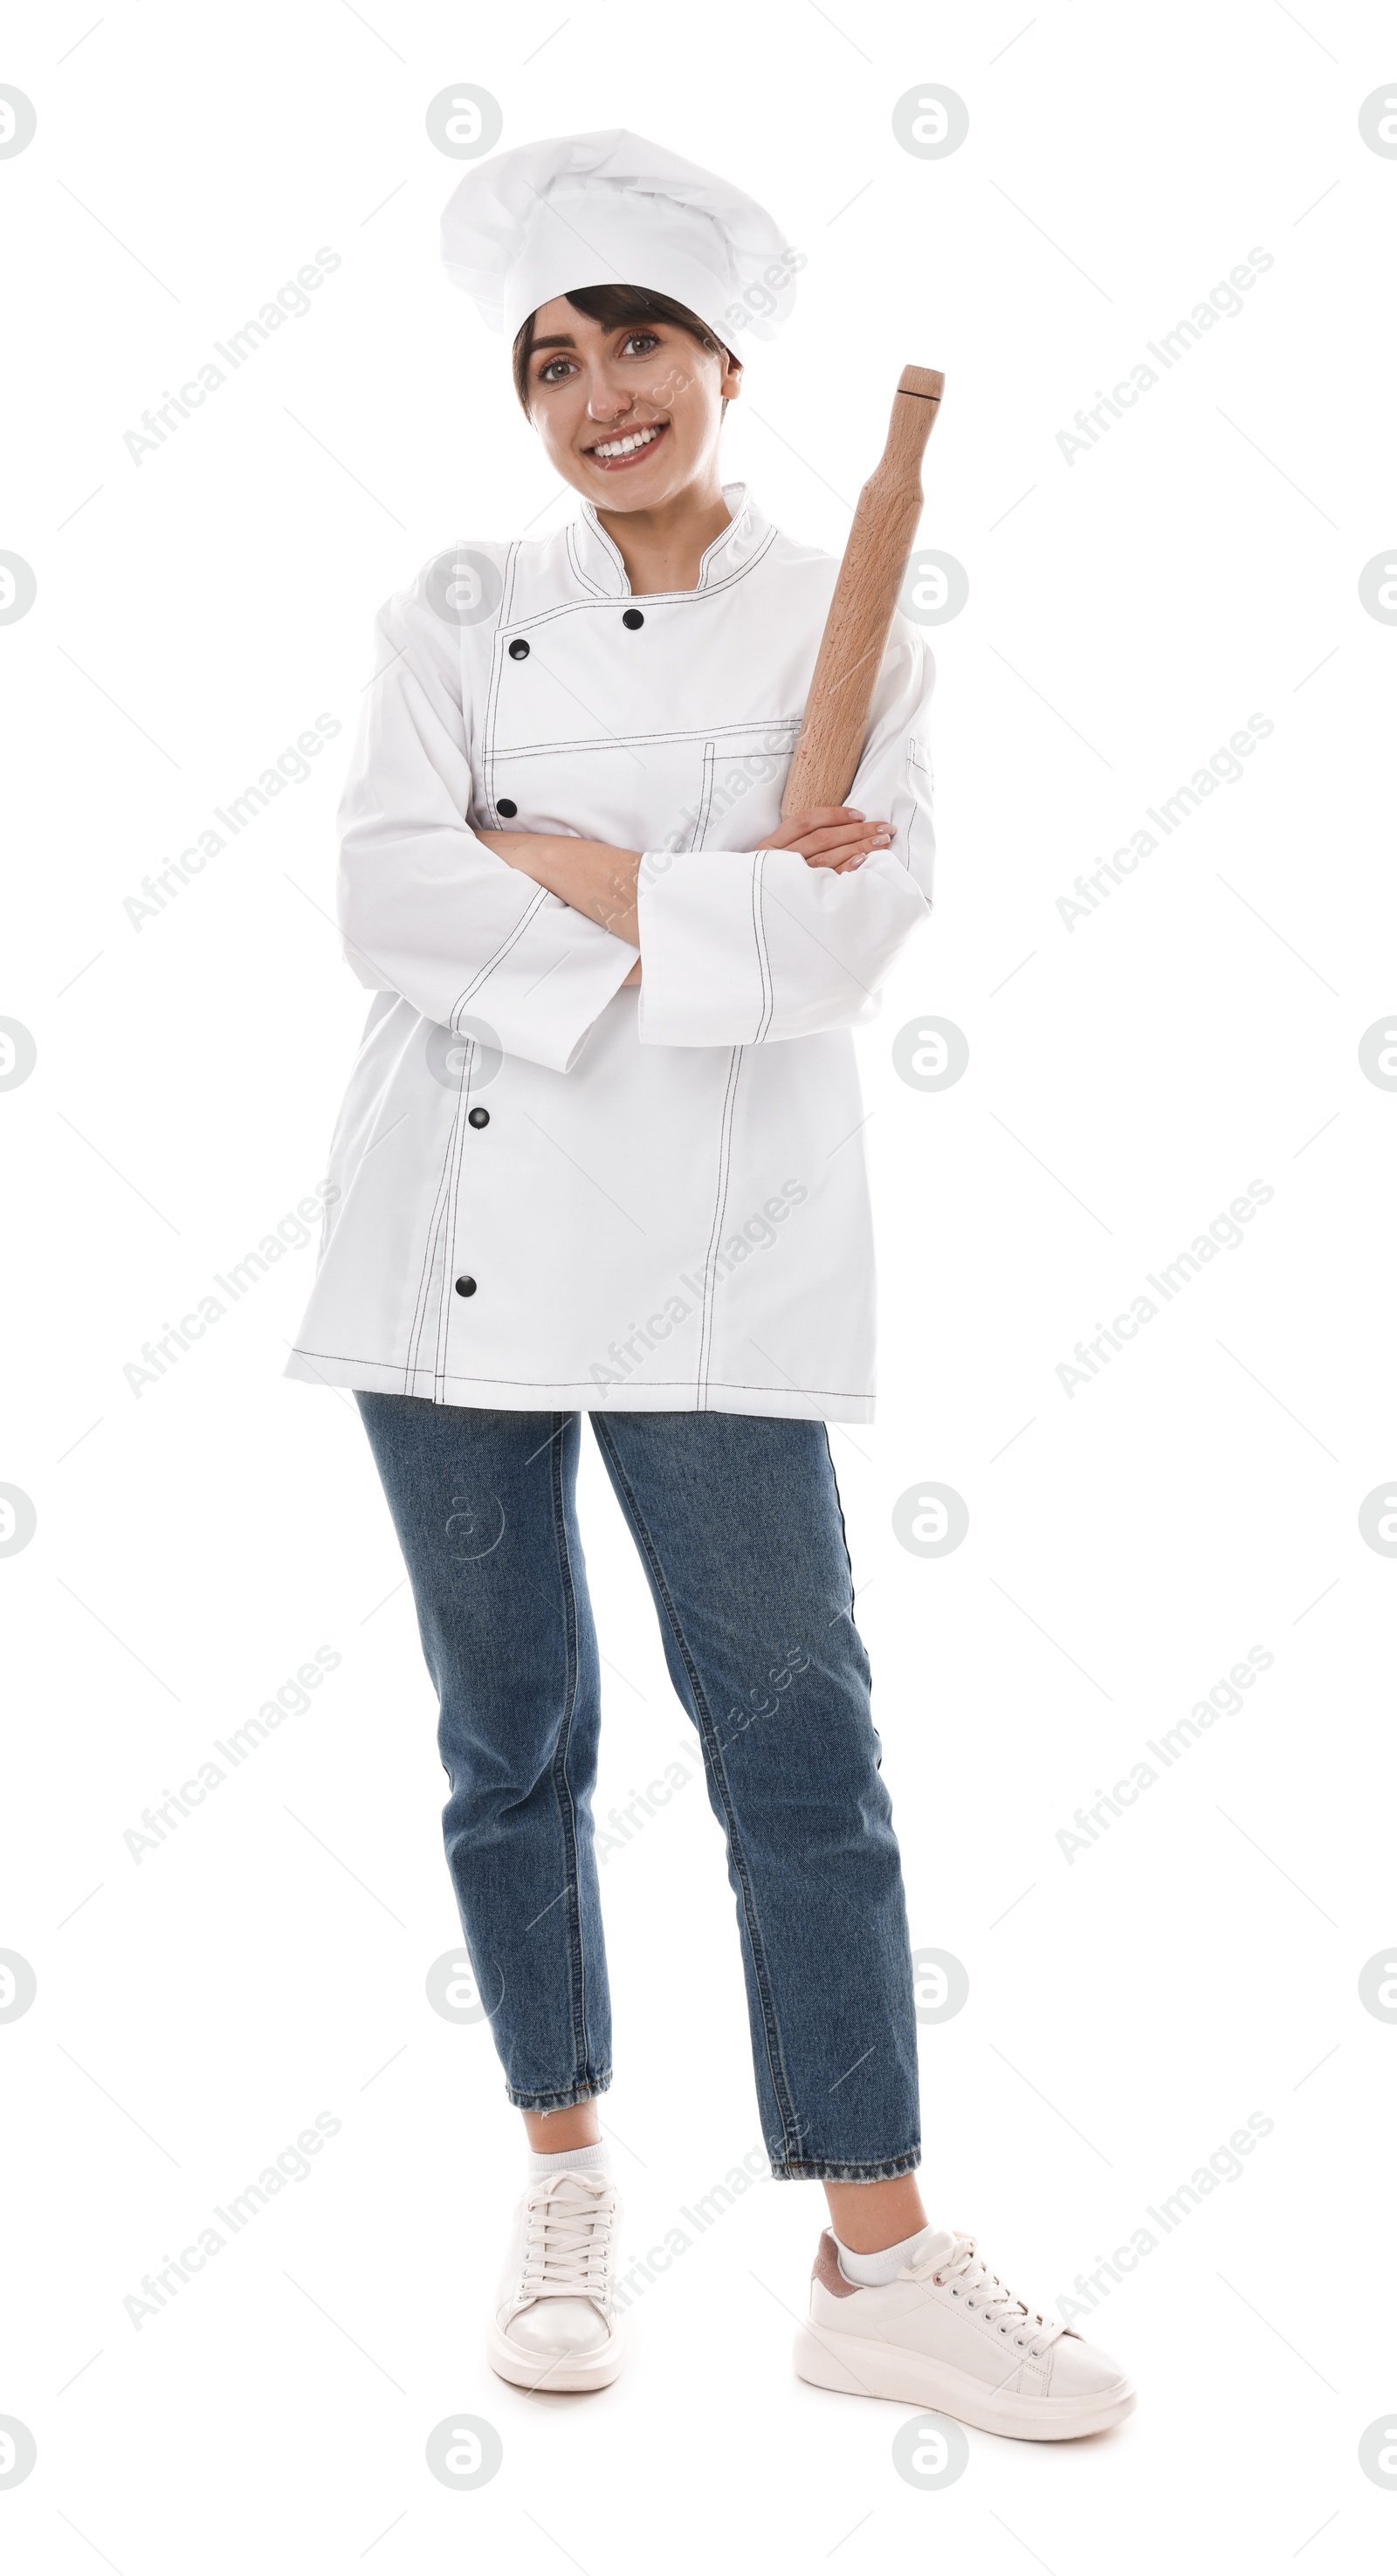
<point>796,827</point>
<point>844,844</point>
<point>836,859</point>
<point>857,827</point>
<point>818,844</point>
<point>825,848</point>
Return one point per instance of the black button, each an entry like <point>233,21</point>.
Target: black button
<point>477,1117</point>
<point>629,617</point>
<point>465,1287</point>
<point>506,805</point>
<point>519,651</point>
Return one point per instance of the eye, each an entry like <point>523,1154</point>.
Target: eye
<point>632,344</point>
<point>546,374</point>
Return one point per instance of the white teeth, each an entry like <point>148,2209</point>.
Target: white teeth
<point>627,446</point>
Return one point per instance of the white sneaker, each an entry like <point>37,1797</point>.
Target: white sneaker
<point>947,2334</point>
<point>554,2324</point>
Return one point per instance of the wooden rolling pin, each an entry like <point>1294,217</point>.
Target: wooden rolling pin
<point>889,506</point>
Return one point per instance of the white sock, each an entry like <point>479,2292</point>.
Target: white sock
<point>875,2271</point>
<point>595,2159</point>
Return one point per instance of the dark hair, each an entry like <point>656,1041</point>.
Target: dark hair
<point>614,307</point>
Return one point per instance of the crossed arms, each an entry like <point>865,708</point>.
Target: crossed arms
<point>600,881</point>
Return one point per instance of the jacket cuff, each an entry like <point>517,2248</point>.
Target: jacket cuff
<point>705,978</point>
<point>559,983</point>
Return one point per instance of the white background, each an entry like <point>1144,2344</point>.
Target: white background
<point>1127,1079</point>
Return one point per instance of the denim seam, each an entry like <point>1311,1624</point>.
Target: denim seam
<point>829,2169</point>
<point>839,1507</point>
<point>562,1786</point>
<point>583,2090</point>
<point>771,2031</point>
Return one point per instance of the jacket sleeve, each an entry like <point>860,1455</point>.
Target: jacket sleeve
<point>746,946</point>
<point>425,909</point>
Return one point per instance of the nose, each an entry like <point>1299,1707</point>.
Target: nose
<point>605,403</point>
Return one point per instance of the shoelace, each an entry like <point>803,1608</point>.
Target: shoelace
<point>567,2243</point>
<point>968,2276</point>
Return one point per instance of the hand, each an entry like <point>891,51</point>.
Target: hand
<point>831,836</point>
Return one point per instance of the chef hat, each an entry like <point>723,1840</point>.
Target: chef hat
<point>613,210</point>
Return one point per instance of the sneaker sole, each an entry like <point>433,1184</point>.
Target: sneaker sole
<point>568,2372</point>
<point>860,2368</point>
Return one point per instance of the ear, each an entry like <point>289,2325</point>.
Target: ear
<point>730,384</point>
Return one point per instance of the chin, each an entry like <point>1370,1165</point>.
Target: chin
<point>649,498</point>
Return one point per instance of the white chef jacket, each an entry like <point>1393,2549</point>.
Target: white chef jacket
<point>546,1192</point>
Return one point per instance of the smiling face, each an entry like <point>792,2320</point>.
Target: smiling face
<point>628,412</point>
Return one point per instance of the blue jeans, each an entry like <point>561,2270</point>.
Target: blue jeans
<point>739,1528</point>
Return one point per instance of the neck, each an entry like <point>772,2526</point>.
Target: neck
<point>663,548</point>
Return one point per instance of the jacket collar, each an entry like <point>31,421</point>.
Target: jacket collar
<point>598,559</point>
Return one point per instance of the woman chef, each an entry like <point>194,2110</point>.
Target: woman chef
<point>600,1153</point>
